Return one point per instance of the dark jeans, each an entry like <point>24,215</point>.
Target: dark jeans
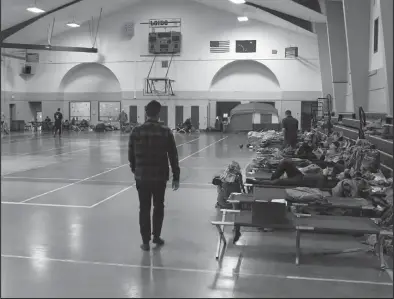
<point>288,167</point>
<point>290,142</point>
<point>58,128</point>
<point>146,191</point>
<point>296,177</point>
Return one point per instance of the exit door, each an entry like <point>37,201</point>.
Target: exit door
<point>12,112</point>
<point>133,114</point>
<point>195,117</point>
<point>178,115</point>
<point>164,115</point>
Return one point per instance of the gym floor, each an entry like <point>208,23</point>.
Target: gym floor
<point>69,228</point>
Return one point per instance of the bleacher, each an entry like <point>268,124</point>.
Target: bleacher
<point>349,125</point>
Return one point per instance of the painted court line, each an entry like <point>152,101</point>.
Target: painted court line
<point>43,166</point>
<point>128,188</point>
<point>75,180</point>
<point>39,179</point>
<point>88,178</point>
<point>112,196</point>
<point>26,154</point>
<point>203,149</point>
<point>69,185</point>
<point>125,189</point>
<point>204,271</point>
<point>43,205</point>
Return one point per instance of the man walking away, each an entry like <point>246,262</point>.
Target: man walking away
<point>58,122</point>
<point>290,129</point>
<point>151,145</point>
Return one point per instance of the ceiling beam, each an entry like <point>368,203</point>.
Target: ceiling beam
<point>48,48</point>
<point>18,27</point>
<point>284,16</point>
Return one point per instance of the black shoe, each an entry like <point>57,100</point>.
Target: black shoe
<point>158,241</point>
<point>237,235</point>
<point>145,247</point>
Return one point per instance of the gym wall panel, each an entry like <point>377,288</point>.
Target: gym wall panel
<point>196,67</point>
<point>125,68</point>
<point>377,95</point>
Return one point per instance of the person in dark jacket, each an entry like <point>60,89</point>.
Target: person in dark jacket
<point>58,123</point>
<point>290,129</point>
<point>151,145</point>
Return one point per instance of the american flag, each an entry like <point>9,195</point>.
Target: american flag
<point>219,46</point>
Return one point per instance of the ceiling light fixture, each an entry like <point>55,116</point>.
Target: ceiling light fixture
<point>243,19</point>
<point>73,24</point>
<point>238,1</point>
<point>35,9</point>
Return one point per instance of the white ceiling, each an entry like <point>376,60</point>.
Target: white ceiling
<point>265,17</point>
<point>14,12</point>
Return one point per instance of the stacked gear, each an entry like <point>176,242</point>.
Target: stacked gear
<point>258,140</point>
<point>229,181</point>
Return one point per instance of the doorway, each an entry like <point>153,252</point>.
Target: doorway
<point>225,108</point>
<point>133,114</point>
<point>178,115</point>
<point>164,115</point>
<point>36,110</point>
<point>12,113</point>
<point>39,116</point>
<point>307,110</point>
<point>195,117</point>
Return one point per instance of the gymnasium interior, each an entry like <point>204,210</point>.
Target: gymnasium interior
<point>226,72</point>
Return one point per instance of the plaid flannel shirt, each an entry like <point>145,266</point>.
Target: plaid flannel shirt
<point>151,145</point>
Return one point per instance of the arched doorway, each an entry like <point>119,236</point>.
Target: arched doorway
<point>91,91</point>
<point>245,78</point>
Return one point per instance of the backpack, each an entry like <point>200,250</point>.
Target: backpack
<point>100,127</point>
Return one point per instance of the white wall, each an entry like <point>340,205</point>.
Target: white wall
<point>12,85</point>
<point>376,60</point>
<point>378,93</point>
<point>299,79</point>
<point>10,75</point>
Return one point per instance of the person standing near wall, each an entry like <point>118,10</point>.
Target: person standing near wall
<point>290,130</point>
<point>122,119</point>
<point>58,122</point>
<point>151,145</point>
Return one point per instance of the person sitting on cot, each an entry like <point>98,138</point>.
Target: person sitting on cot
<point>230,181</point>
<point>66,125</point>
<point>187,125</point>
<point>294,177</point>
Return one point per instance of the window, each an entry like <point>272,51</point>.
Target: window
<point>376,35</point>
<point>266,118</point>
<point>80,110</point>
<point>109,111</point>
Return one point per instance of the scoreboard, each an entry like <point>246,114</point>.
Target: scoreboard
<point>165,42</point>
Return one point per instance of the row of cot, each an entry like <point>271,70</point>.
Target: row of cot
<point>267,206</point>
